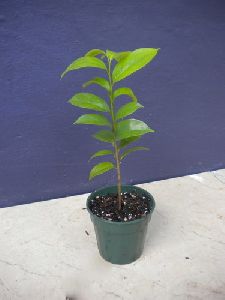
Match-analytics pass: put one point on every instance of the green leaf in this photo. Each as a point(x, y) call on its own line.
point(131, 127)
point(128, 151)
point(110, 54)
point(101, 153)
point(95, 52)
point(136, 60)
point(127, 141)
point(117, 55)
point(124, 91)
point(90, 101)
point(104, 136)
point(100, 169)
point(93, 119)
point(127, 109)
point(99, 81)
point(121, 55)
point(85, 62)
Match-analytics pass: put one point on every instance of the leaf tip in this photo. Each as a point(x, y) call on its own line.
point(90, 177)
point(139, 105)
point(63, 74)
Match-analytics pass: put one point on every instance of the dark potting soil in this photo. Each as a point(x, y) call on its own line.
point(133, 207)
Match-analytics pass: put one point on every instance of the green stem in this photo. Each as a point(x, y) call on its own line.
point(116, 149)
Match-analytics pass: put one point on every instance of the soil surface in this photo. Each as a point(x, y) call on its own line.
point(133, 207)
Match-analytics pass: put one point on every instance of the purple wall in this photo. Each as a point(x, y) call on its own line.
point(42, 155)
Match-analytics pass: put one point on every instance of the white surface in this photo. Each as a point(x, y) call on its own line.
point(46, 254)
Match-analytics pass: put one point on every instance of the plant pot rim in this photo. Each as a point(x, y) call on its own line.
point(150, 197)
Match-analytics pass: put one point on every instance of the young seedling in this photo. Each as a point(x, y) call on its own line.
point(119, 132)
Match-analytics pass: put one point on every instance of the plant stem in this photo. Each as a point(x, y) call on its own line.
point(118, 175)
point(116, 149)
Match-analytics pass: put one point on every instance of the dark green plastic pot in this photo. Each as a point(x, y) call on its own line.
point(121, 242)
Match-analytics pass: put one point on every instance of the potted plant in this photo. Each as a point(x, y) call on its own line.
point(120, 213)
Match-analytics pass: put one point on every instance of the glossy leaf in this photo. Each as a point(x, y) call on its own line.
point(104, 136)
point(127, 109)
point(130, 150)
point(136, 60)
point(110, 54)
point(117, 55)
point(125, 142)
point(100, 169)
point(93, 119)
point(101, 153)
point(124, 91)
point(90, 101)
point(95, 52)
point(85, 62)
point(131, 127)
point(121, 55)
point(99, 81)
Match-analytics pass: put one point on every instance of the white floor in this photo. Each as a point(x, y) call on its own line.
point(48, 249)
